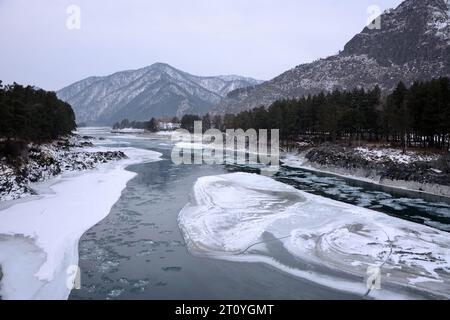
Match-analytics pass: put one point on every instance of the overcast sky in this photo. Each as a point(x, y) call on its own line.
point(257, 38)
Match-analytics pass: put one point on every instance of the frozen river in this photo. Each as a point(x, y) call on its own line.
point(139, 252)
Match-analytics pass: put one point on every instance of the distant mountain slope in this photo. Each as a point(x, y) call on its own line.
point(412, 44)
point(155, 91)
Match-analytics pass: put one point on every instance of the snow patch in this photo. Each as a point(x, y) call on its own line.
point(128, 130)
point(230, 216)
point(47, 161)
point(57, 221)
point(394, 155)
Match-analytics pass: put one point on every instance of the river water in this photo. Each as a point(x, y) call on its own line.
point(138, 251)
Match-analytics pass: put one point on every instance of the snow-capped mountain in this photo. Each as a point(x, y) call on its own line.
point(155, 91)
point(412, 44)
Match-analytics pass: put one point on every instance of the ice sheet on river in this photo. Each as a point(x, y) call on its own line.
point(39, 238)
point(246, 217)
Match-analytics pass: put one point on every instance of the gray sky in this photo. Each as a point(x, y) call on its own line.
point(257, 38)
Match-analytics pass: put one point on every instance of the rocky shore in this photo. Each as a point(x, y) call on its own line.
point(42, 162)
point(427, 172)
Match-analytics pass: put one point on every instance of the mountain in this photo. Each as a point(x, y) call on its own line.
point(155, 91)
point(412, 44)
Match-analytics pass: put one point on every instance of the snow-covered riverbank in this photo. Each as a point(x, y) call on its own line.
point(251, 218)
point(427, 173)
point(49, 226)
point(43, 162)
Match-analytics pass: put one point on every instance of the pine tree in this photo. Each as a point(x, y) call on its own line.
point(217, 122)
point(206, 122)
point(187, 122)
point(152, 125)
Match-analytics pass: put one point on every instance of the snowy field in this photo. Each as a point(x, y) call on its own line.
point(47, 228)
point(251, 218)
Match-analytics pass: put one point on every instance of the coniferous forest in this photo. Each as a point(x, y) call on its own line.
point(28, 114)
point(418, 116)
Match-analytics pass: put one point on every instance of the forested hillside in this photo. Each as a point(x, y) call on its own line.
point(418, 116)
point(28, 114)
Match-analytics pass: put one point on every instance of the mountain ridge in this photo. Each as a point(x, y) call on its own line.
point(412, 44)
point(158, 90)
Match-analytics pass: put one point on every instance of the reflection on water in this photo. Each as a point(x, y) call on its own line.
point(138, 252)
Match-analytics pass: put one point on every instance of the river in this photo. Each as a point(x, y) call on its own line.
point(138, 251)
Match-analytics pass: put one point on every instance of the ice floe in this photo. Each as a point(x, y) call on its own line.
point(251, 218)
point(54, 224)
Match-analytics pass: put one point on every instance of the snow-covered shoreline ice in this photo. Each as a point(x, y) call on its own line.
point(300, 162)
point(128, 130)
point(241, 216)
point(42, 162)
point(54, 223)
point(295, 160)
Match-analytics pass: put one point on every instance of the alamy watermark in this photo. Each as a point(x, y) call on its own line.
point(373, 278)
point(230, 147)
point(73, 277)
point(374, 20)
point(73, 21)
